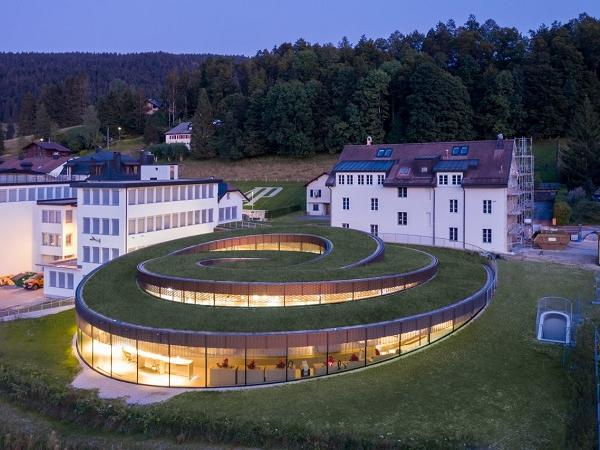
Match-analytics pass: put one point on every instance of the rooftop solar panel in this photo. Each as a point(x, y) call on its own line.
point(363, 166)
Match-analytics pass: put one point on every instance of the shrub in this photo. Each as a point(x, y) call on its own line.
point(562, 212)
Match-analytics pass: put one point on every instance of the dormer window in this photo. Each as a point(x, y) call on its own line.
point(456, 180)
point(383, 153)
point(423, 169)
point(442, 180)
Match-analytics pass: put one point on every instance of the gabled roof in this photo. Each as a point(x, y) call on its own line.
point(485, 163)
point(35, 165)
point(50, 146)
point(224, 188)
point(183, 127)
point(316, 178)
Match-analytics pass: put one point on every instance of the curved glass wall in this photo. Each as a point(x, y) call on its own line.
point(164, 357)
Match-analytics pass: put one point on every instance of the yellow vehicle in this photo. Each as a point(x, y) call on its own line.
point(6, 280)
point(35, 282)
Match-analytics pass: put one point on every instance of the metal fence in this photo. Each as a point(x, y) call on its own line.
point(17, 312)
point(412, 239)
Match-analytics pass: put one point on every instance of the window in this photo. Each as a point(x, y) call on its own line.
point(86, 196)
point(61, 280)
point(105, 197)
point(210, 214)
point(141, 225)
point(95, 225)
point(374, 204)
point(221, 214)
point(115, 227)
point(31, 194)
point(69, 240)
point(86, 225)
point(70, 281)
point(22, 195)
point(423, 169)
point(190, 192)
point(167, 221)
point(380, 179)
point(402, 218)
point(96, 255)
point(374, 230)
point(487, 206)
point(86, 254)
point(95, 196)
point(487, 235)
point(203, 191)
point(402, 192)
point(182, 191)
point(204, 216)
point(167, 194)
point(69, 216)
point(159, 223)
point(345, 203)
point(159, 194)
point(150, 224)
point(369, 179)
point(341, 179)
point(190, 217)
point(345, 225)
point(350, 179)
point(131, 197)
point(150, 195)
point(131, 227)
point(175, 220)
point(51, 239)
point(105, 255)
point(453, 205)
point(141, 196)
point(456, 180)
point(197, 217)
point(361, 179)
point(115, 197)
point(106, 227)
point(52, 278)
point(453, 234)
point(3, 196)
point(442, 180)
point(12, 195)
point(312, 193)
point(460, 150)
point(315, 207)
point(174, 193)
point(115, 253)
point(383, 153)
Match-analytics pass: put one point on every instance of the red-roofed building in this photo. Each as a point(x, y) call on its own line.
point(475, 194)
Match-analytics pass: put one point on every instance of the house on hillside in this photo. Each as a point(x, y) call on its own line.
point(48, 149)
point(318, 196)
point(231, 201)
point(151, 106)
point(180, 134)
point(32, 167)
point(475, 194)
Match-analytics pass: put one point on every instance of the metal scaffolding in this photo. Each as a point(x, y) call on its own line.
point(520, 191)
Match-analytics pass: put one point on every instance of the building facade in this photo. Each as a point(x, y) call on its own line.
point(318, 196)
point(456, 194)
point(180, 134)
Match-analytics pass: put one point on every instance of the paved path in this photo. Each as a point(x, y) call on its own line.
point(582, 254)
point(11, 296)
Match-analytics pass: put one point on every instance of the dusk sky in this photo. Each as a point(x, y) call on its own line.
point(244, 27)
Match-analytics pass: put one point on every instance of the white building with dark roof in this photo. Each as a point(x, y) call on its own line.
point(180, 134)
point(476, 194)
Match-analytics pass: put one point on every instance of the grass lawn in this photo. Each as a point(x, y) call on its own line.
point(271, 168)
point(460, 274)
point(491, 384)
point(130, 145)
point(545, 163)
point(293, 194)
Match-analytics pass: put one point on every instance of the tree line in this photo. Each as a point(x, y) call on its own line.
point(454, 82)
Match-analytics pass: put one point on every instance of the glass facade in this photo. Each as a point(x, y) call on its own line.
point(203, 360)
point(259, 294)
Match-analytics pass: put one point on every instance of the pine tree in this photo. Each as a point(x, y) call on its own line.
point(26, 120)
point(1, 140)
point(580, 159)
point(10, 131)
point(202, 128)
point(371, 100)
point(43, 123)
point(91, 126)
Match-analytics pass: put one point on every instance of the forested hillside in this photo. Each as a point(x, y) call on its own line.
point(453, 82)
point(21, 73)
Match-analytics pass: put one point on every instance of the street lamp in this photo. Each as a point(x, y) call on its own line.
point(119, 128)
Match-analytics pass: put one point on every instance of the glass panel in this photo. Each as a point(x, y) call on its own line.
point(124, 358)
point(101, 349)
point(309, 360)
point(187, 366)
point(153, 363)
point(382, 348)
point(223, 365)
point(346, 356)
point(268, 365)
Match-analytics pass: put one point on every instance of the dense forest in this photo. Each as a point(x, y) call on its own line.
point(453, 82)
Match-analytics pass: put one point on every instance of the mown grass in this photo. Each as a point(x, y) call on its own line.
point(546, 160)
point(492, 384)
point(460, 274)
point(293, 193)
point(284, 266)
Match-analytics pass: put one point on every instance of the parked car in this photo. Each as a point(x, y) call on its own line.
point(6, 280)
point(20, 278)
point(35, 282)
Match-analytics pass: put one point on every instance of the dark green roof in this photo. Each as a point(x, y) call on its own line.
point(363, 166)
point(455, 165)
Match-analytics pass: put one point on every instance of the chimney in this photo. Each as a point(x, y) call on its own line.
point(500, 141)
point(369, 140)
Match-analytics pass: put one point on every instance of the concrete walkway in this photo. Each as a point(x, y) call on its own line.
point(582, 254)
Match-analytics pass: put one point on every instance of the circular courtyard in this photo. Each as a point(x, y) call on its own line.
point(271, 305)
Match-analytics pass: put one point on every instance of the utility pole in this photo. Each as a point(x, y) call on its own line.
point(108, 137)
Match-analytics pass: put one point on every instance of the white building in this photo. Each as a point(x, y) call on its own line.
point(318, 196)
point(458, 194)
point(180, 134)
